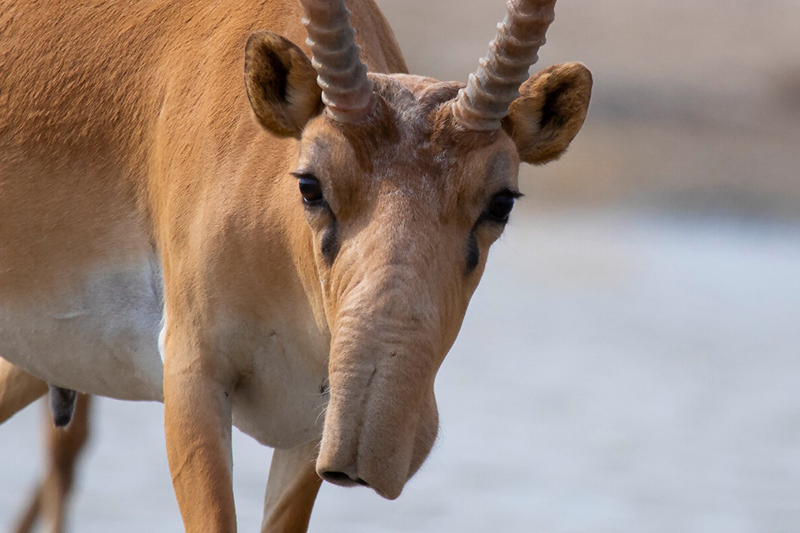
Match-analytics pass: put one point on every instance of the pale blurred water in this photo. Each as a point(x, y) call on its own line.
point(614, 374)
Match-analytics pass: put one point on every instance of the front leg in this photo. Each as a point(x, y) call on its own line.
point(197, 414)
point(17, 389)
point(291, 490)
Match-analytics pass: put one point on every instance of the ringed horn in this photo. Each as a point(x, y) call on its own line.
point(346, 89)
point(491, 89)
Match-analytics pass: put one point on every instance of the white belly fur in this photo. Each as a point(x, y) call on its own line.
point(105, 337)
point(100, 337)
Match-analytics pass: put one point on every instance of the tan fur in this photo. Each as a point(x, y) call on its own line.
point(18, 389)
point(128, 133)
point(550, 112)
point(292, 487)
point(281, 84)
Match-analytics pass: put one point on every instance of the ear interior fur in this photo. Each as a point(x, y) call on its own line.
point(549, 112)
point(281, 84)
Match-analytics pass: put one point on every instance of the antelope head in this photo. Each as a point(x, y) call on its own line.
point(406, 182)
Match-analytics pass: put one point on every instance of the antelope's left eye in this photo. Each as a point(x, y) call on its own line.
point(310, 190)
point(500, 206)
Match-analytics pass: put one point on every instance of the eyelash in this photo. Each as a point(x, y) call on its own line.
point(310, 189)
point(500, 217)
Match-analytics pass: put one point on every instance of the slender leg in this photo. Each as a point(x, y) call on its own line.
point(64, 447)
point(18, 389)
point(28, 518)
point(198, 433)
point(291, 490)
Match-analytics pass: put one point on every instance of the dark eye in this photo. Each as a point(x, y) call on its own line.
point(311, 190)
point(500, 206)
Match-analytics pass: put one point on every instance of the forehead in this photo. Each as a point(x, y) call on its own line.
point(410, 139)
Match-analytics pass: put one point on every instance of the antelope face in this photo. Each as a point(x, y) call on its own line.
point(405, 184)
point(403, 212)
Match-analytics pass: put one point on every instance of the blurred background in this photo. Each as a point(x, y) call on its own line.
point(631, 361)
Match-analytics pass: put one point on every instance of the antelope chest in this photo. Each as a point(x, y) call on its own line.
point(102, 336)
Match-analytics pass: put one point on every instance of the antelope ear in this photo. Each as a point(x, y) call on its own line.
point(549, 112)
point(281, 84)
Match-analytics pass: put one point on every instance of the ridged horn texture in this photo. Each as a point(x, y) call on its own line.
point(491, 89)
point(346, 89)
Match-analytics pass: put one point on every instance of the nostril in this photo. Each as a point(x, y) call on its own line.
point(338, 478)
point(342, 479)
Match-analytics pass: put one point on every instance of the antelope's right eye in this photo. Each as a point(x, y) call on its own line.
point(310, 190)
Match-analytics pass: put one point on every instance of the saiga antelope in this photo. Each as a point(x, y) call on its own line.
point(249, 251)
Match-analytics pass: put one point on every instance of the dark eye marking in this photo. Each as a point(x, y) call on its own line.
point(497, 212)
point(310, 189)
point(330, 243)
point(313, 198)
point(473, 253)
point(500, 206)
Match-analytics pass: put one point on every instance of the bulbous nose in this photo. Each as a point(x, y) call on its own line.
point(346, 473)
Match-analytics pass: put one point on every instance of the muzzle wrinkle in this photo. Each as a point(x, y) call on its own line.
point(377, 428)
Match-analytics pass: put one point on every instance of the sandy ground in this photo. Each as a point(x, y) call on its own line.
point(614, 374)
